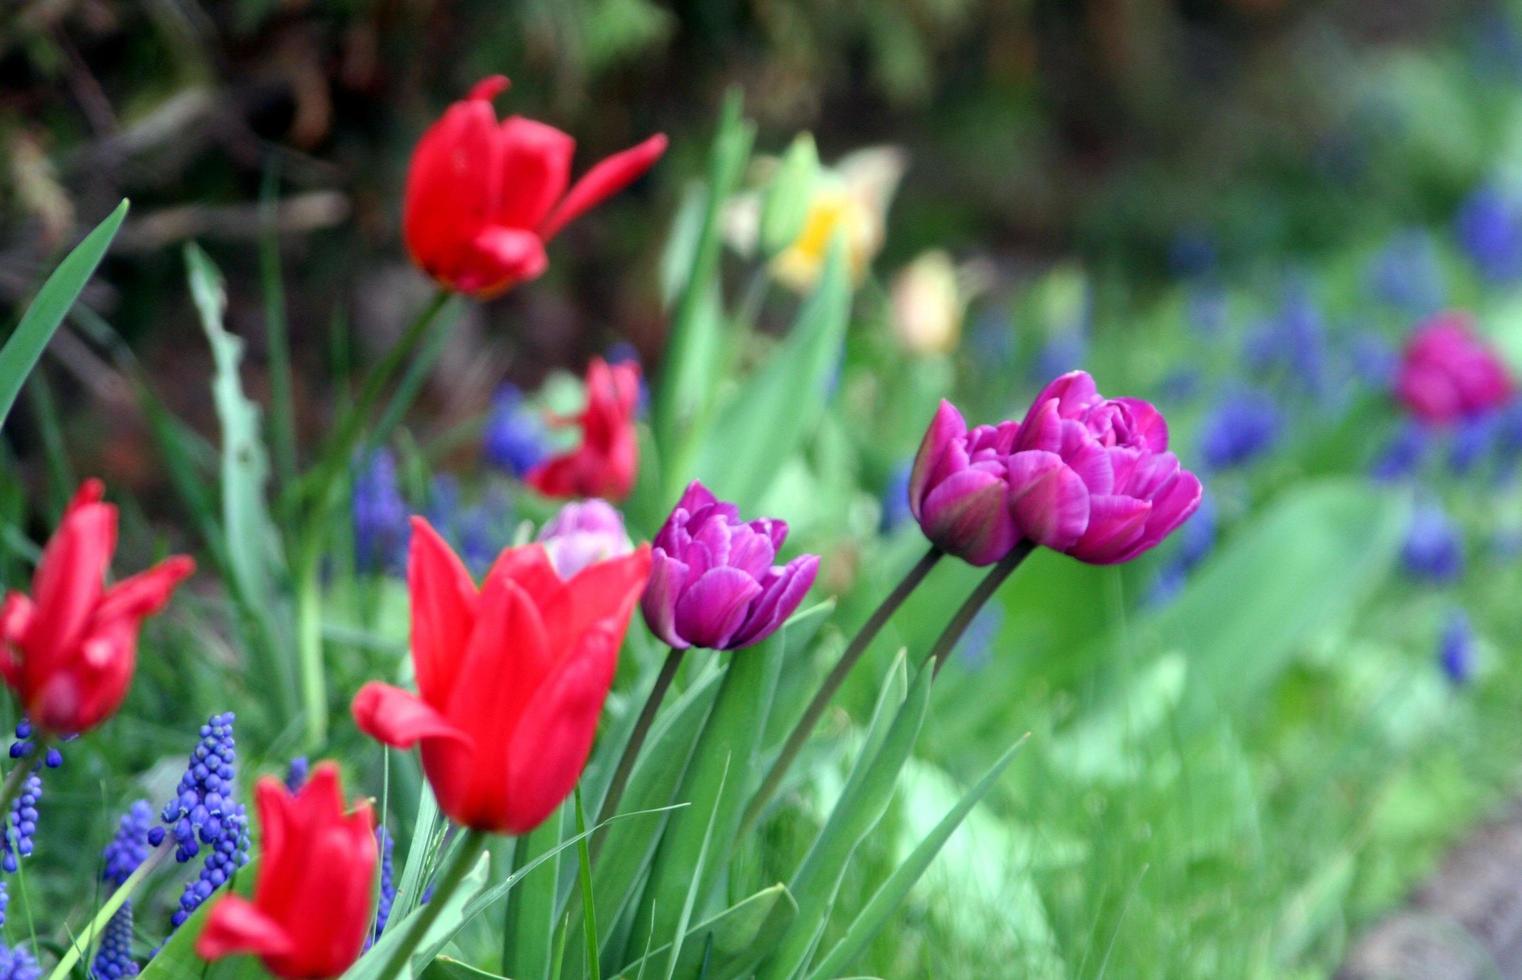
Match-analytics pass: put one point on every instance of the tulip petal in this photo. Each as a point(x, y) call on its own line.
point(1115, 524)
point(780, 597)
point(1168, 512)
point(147, 592)
point(603, 181)
point(1042, 429)
point(714, 606)
point(235, 925)
point(399, 719)
point(1050, 503)
point(1074, 392)
point(498, 258)
point(69, 580)
point(536, 166)
point(967, 515)
point(603, 595)
point(551, 742)
point(946, 427)
point(531, 568)
point(1148, 424)
point(443, 610)
point(448, 198)
point(668, 576)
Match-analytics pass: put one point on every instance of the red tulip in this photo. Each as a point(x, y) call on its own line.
point(68, 650)
point(483, 197)
point(605, 463)
point(312, 899)
point(511, 678)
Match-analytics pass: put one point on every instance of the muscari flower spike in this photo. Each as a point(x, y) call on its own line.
point(129, 847)
point(25, 745)
point(387, 886)
point(296, 773)
point(1434, 550)
point(1456, 647)
point(1241, 427)
point(379, 514)
point(114, 958)
point(15, 964)
point(21, 825)
point(204, 812)
point(516, 439)
point(1403, 455)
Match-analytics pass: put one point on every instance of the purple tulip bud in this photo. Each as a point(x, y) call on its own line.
point(958, 490)
point(1092, 476)
point(712, 581)
point(584, 533)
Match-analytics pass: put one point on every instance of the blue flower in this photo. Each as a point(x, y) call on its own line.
point(1196, 540)
point(515, 440)
point(296, 773)
point(1292, 342)
point(15, 964)
point(1489, 229)
point(895, 500)
point(21, 824)
point(227, 854)
point(1433, 551)
point(25, 745)
point(380, 515)
point(129, 847)
point(1241, 427)
point(387, 885)
point(1406, 274)
point(1373, 359)
point(1473, 441)
point(1456, 647)
point(1403, 455)
point(114, 959)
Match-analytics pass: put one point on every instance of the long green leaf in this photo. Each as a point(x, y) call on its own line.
point(528, 924)
point(891, 894)
point(734, 932)
point(419, 852)
point(772, 411)
point(458, 909)
point(47, 310)
point(862, 803)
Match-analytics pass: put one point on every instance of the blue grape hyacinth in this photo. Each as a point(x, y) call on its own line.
point(296, 773)
point(114, 958)
point(1242, 426)
point(205, 813)
point(129, 847)
point(25, 744)
point(380, 515)
point(1434, 550)
point(515, 440)
point(1456, 647)
point(1403, 455)
point(15, 964)
point(1489, 229)
point(21, 824)
point(387, 885)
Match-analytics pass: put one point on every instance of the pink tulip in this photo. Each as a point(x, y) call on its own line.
point(1447, 373)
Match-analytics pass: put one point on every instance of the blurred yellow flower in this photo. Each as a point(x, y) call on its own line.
point(850, 199)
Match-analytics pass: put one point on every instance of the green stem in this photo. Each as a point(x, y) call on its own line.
point(837, 676)
point(636, 741)
point(974, 602)
point(460, 863)
point(13, 782)
point(118, 898)
point(325, 486)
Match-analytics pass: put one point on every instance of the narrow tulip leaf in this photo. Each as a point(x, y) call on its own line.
point(717, 785)
point(449, 968)
point(529, 916)
point(773, 411)
point(457, 910)
point(584, 879)
point(425, 828)
point(252, 547)
point(890, 896)
point(626, 848)
point(865, 798)
point(51, 304)
point(276, 330)
point(699, 872)
point(687, 370)
point(732, 933)
point(785, 205)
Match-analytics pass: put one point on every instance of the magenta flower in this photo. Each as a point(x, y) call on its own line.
point(712, 581)
point(959, 490)
point(1082, 474)
point(1447, 373)
point(1092, 476)
point(584, 533)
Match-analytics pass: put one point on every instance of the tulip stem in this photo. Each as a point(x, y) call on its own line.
point(636, 741)
point(464, 858)
point(837, 677)
point(975, 602)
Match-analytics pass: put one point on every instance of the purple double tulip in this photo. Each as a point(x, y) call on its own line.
point(713, 583)
point(1082, 474)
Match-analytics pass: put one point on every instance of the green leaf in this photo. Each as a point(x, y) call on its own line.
point(626, 848)
point(716, 784)
point(449, 968)
point(529, 916)
point(588, 903)
point(47, 310)
point(1315, 555)
point(459, 907)
point(419, 851)
point(865, 798)
point(891, 894)
point(785, 206)
point(699, 872)
point(773, 410)
point(687, 372)
point(734, 933)
point(252, 547)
